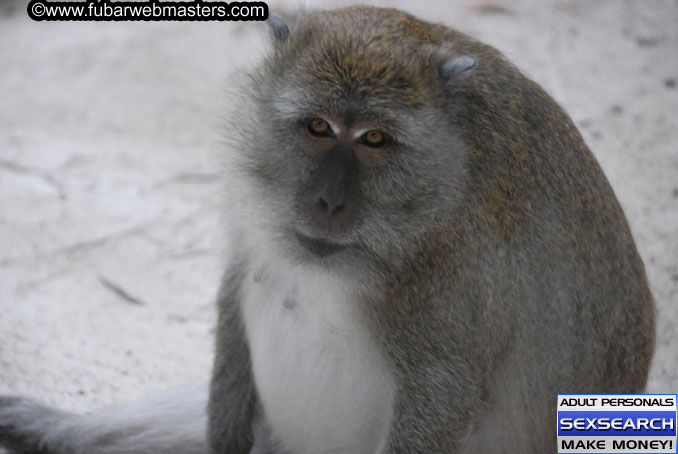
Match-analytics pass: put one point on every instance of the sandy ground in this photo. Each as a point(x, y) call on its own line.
point(109, 176)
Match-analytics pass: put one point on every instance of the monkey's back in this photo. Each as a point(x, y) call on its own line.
point(537, 265)
point(553, 206)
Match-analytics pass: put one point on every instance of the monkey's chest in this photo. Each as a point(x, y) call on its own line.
point(322, 384)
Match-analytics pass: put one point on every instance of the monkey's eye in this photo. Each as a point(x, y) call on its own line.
point(374, 138)
point(320, 128)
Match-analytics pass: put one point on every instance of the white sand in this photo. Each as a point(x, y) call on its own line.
point(109, 174)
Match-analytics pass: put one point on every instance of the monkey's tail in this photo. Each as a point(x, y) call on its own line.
point(174, 422)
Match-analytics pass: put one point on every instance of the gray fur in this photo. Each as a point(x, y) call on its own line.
point(173, 422)
point(232, 395)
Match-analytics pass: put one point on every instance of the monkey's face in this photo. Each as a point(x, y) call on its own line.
point(349, 146)
point(329, 202)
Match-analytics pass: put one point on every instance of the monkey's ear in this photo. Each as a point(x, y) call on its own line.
point(278, 28)
point(453, 68)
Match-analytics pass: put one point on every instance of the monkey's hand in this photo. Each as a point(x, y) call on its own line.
point(25, 424)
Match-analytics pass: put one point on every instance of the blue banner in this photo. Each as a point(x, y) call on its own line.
point(610, 423)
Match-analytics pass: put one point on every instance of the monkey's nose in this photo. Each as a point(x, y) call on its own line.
point(331, 206)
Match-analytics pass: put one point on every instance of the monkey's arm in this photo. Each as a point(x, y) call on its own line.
point(441, 373)
point(431, 417)
point(232, 400)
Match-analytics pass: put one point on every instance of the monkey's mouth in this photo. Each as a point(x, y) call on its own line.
point(319, 247)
